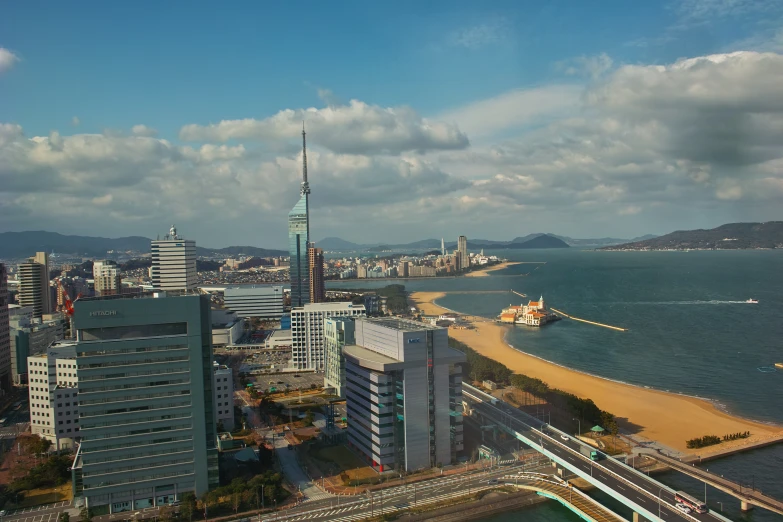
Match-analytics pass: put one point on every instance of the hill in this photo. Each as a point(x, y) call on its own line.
point(543, 241)
point(732, 236)
point(16, 245)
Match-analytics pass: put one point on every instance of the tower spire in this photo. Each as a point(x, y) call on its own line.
point(305, 184)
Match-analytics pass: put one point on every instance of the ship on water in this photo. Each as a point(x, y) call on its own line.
point(534, 313)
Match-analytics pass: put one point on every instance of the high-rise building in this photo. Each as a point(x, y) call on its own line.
point(173, 263)
point(107, 277)
point(299, 239)
point(315, 259)
point(264, 301)
point(442, 247)
point(146, 411)
point(34, 287)
point(462, 249)
point(6, 382)
point(337, 333)
point(223, 395)
point(30, 338)
point(53, 393)
point(307, 331)
point(403, 391)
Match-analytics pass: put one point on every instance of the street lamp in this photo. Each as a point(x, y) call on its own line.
point(660, 492)
point(580, 424)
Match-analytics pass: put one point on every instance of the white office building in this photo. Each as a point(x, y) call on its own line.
point(307, 331)
point(262, 301)
point(403, 391)
point(173, 263)
point(53, 388)
point(223, 395)
point(338, 332)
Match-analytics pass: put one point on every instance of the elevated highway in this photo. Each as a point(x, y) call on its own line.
point(644, 495)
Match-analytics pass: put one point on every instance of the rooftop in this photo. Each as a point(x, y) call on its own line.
point(402, 325)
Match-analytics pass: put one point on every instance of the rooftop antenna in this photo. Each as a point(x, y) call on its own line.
point(305, 184)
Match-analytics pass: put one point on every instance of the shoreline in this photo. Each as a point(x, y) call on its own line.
point(484, 272)
point(669, 418)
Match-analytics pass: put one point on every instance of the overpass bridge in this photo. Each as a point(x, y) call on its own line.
point(748, 496)
point(645, 496)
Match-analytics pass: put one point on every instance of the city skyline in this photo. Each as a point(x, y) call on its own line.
point(583, 124)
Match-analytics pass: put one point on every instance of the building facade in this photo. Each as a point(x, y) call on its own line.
point(263, 301)
point(30, 338)
point(53, 394)
point(6, 379)
point(173, 263)
point(299, 239)
point(223, 396)
point(462, 252)
point(34, 288)
point(107, 277)
point(315, 259)
point(307, 331)
point(403, 391)
point(337, 333)
point(146, 403)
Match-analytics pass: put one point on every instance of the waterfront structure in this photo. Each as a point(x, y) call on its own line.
point(53, 396)
point(462, 251)
point(34, 288)
point(146, 405)
point(307, 331)
point(315, 259)
point(107, 277)
point(403, 391)
point(6, 378)
point(262, 301)
point(337, 333)
point(223, 396)
point(299, 239)
point(173, 263)
point(534, 313)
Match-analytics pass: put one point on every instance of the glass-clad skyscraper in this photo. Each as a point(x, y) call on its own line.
point(298, 239)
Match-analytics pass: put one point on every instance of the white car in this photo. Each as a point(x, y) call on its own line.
point(564, 437)
point(683, 508)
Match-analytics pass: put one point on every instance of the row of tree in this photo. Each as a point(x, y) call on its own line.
point(480, 368)
point(260, 491)
point(736, 436)
point(701, 442)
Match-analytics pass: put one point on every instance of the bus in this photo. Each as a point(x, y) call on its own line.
point(696, 505)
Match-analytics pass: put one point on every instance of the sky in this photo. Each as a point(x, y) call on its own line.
point(424, 119)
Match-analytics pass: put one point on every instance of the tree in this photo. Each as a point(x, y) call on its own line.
point(187, 506)
point(166, 514)
point(85, 514)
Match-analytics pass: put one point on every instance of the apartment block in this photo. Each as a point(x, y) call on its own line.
point(307, 331)
point(53, 395)
point(223, 395)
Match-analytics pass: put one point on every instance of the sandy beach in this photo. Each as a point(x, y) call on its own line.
point(485, 272)
point(668, 418)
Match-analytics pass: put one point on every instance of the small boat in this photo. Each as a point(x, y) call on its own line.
point(752, 301)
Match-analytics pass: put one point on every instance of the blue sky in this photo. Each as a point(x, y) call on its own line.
point(451, 104)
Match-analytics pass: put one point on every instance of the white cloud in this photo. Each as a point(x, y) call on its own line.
point(591, 66)
point(480, 35)
point(7, 59)
point(75, 121)
point(143, 130)
point(356, 128)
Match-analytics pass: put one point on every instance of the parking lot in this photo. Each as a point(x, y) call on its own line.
point(304, 381)
point(45, 513)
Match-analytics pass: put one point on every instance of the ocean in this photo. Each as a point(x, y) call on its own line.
point(689, 332)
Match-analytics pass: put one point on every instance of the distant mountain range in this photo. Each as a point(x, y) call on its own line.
point(341, 245)
point(14, 245)
point(732, 236)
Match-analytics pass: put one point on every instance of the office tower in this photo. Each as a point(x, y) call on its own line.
point(442, 247)
point(403, 391)
point(146, 410)
point(307, 331)
point(6, 381)
point(223, 395)
point(264, 301)
point(34, 284)
point(315, 259)
point(403, 269)
point(29, 339)
point(337, 333)
point(53, 392)
point(107, 277)
point(299, 239)
point(462, 249)
point(174, 263)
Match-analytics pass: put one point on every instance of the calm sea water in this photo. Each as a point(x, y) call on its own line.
point(689, 332)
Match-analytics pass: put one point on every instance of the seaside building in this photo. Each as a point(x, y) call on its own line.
point(146, 403)
point(337, 333)
point(34, 288)
point(174, 263)
point(403, 390)
point(53, 390)
point(534, 313)
point(315, 258)
point(107, 277)
point(299, 239)
point(307, 331)
point(223, 396)
point(462, 252)
point(262, 301)
point(6, 379)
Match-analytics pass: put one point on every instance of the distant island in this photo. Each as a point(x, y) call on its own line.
point(732, 236)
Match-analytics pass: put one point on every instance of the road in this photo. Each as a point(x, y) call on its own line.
point(623, 480)
point(46, 513)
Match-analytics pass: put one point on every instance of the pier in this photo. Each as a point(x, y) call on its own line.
point(589, 322)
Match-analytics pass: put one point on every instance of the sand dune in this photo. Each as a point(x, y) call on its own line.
point(668, 418)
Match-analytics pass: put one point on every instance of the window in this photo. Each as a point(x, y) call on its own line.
point(130, 332)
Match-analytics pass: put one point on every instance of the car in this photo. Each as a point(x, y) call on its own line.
point(492, 481)
point(683, 508)
point(564, 437)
